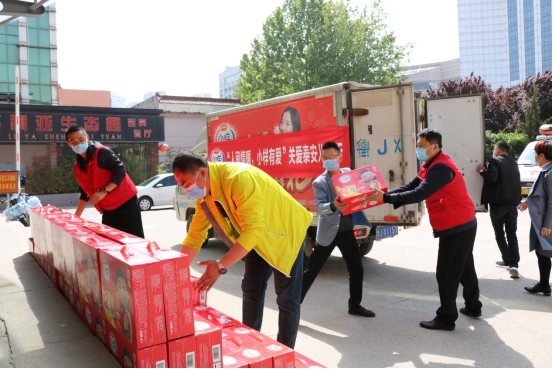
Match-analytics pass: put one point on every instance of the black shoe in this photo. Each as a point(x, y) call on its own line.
point(435, 324)
point(538, 288)
point(474, 314)
point(361, 311)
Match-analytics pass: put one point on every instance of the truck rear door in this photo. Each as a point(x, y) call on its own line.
point(460, 120)
point(386, 137)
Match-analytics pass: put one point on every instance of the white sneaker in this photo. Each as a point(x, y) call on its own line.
point(514, 272)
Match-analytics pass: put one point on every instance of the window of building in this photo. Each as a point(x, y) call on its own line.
point(40, 78)
point(545, 10)
point(529, 41)
point(9, 56)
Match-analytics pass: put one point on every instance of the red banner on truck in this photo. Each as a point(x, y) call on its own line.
point(304, 114)
point(293, 155)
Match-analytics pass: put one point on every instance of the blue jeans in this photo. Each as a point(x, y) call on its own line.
point(288, 290)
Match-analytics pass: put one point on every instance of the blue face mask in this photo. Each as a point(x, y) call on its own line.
point(331, 164)
point(421, 153)
point(81, 148)
point(194, 191)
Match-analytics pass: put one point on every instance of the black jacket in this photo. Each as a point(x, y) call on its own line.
point(501, 182)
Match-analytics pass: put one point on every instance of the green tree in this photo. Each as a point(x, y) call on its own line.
point(312, 43)
point(532, 121)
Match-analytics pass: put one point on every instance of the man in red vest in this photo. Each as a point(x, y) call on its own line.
point(104, 183)
point(453, 220)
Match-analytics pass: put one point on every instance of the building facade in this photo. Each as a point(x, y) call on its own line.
point(504, 41)
point(31, 44)
point(424, 76)
point(184, 119)
point(228, 81)
point(133, 134)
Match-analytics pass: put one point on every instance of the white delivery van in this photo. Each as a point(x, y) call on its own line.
point(376, 125)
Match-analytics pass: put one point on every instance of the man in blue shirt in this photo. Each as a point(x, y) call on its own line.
point(335, 229)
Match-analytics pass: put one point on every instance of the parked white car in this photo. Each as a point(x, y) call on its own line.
point(528, 167)
point(156, 191)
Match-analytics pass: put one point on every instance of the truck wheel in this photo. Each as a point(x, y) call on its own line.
point(366, 247)
point(189, 220)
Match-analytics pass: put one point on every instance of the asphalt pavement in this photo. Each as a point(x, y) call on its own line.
point(39, 328)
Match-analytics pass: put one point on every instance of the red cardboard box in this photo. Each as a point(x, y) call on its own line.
point(208, 343)
point(246, 351)
point(177, 294)
point(87, 249)
point(216, 317)
point(182, 353)
point(95, 321)
point(353, 188)
point(232, 361)
point(199, 297)
point(283, 356)
point(48, 268)
point(66, 242)
point(119, 236)
point(130, 357)
point(132, 295)
point(305, 362)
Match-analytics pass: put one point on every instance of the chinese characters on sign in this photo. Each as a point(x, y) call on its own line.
point(51, 127)
point(8, 182)
point(295, 155)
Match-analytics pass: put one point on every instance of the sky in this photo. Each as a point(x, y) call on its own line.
point(181, 46)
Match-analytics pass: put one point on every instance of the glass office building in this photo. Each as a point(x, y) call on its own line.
point(31, 44)
point(504, 41)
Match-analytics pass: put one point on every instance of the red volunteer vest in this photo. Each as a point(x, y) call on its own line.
point(451, 206)
point(96, 179)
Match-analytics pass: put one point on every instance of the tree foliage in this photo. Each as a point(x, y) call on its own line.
point(505, 109)
point(312, 43)
point(532, 120)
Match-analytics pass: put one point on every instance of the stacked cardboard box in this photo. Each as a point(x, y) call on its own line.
point(139, 299)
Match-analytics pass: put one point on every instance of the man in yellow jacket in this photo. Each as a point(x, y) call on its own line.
point(259, 221)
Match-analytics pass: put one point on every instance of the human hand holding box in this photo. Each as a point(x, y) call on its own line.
point(353, 188)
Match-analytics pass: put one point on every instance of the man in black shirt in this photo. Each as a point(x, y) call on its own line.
point(502, 191)
point(104, 183)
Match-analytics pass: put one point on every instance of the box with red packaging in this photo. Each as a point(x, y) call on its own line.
point(118, 236)
point(355, 186)
point(181, 353)
point(283, 356)
point(245, 350)
point(48, 268)
point(86, 254)
point(95, 321)
point(54, 228)
point(208, 343)
point(66, 242)
point(215, 316)
point(232, 361)
point(132, 295)
point(199, 297)
point(305, 362)
point(177, 293)
point(131, 357)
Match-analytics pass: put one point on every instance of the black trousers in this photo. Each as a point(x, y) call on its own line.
point(544, 263)
point(347, 243)
point(506, 215)
point(456, 265)
point(126, 218)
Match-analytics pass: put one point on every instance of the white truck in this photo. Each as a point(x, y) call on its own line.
point(379, 126)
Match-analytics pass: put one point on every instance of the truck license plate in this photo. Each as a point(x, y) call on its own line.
point(525, 191)
point(386, 231)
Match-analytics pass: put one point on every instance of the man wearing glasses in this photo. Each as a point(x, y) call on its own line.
point(335, 229)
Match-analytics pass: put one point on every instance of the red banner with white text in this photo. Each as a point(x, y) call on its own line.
point(293, 155)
